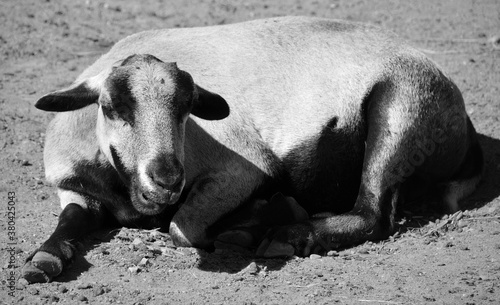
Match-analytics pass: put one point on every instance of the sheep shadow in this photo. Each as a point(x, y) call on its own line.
point(233, 262)
point(488, 189)
point(80, 265)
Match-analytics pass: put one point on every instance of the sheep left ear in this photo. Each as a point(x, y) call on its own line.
point(209, 106)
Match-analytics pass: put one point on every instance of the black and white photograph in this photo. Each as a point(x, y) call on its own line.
point(250, 152)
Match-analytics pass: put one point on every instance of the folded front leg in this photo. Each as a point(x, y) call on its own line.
point(75, 221)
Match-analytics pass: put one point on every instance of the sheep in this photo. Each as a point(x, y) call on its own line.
point(180, 128)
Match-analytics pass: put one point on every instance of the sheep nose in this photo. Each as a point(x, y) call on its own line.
point(167, 175)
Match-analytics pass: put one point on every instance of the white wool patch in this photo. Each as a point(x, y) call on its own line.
point(66, 197)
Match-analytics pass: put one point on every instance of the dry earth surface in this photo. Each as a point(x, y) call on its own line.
point(433, 259)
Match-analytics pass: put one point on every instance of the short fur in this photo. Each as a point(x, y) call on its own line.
point(337, 114)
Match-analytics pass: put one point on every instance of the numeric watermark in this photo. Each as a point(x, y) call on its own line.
point(11, 243)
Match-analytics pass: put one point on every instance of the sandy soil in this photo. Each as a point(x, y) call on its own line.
point(433, 259)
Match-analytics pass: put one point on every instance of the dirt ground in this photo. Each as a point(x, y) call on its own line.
point(433, 259)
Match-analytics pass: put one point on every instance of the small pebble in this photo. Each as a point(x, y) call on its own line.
point(33, 290)
point(142, 247)
point(155, 234)
point(82, 298)
point(134, 269)
point(332, 253)
point(84, 286)
point(137, 241)
point(159, 243)
point(252, 268)
point(314, 256)
point(45, 295)
point(53, 299)
point(21, 284)
point(62, 289)
point(98, 291)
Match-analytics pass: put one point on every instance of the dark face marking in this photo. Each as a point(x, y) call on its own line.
point(119, 166)
point(145, 105)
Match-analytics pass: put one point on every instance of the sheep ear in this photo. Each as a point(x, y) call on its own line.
point(76, 96)
point(209, 106)
point(69, 99)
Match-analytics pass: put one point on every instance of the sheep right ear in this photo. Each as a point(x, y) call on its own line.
point(76, 96)
point(69, 99)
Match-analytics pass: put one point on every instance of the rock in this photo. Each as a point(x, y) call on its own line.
point(495, 42)
point(159, 243)
point(21, 284)
point(45, 295)
point(62, 289)
point(252, 268)
point(155, 234)
point(33, 290)
point(84, 286)
point(315, 256)
point(98, 291)
point(82, 298)
point(137, 241)
point(332, 253)
point(53, 299)
point(143, 262)
point(186, 251)
point(134, 269)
